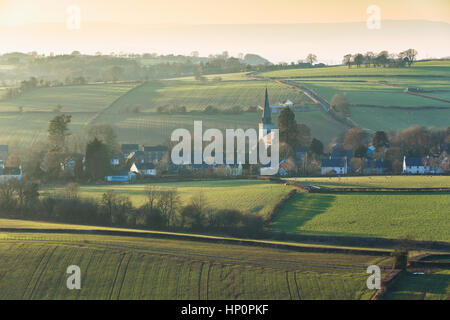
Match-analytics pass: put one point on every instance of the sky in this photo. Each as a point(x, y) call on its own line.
point(107, 25)
point(16, 12)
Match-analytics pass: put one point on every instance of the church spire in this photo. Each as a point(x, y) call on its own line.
point(266, 116)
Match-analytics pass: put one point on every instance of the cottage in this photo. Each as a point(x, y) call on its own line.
point(374, 167)
point(300, 153)
point(3, 153)
point(413, 166)
point(8, 173)
point(128, 148)
point(136, 157)
point(287, 167)
point(116, 160)
point(155, 153)
point(341, 153)
point(334, 166)
point(234, 169)
point(144, 169)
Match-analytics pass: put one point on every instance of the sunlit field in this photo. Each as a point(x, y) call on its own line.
point(246, 195)
point(414, 216)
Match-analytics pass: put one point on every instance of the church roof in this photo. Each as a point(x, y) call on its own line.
point(266, 116)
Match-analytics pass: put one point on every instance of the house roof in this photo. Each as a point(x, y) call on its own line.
point(374, 164)
point(155, 148)
point(333, 163)
point(9, 171)
point(413, 162)
point(128, 147)
point(145, 166)
point(118, 174)
point(200, 166)
point(301, 149)
point(339, 153)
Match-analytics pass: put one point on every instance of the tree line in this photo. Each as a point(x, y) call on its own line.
point(162, 210)
point(382, 59)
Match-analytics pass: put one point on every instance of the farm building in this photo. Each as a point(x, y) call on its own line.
point(145, 169)
point(278, 107)
point(334, 166)
point(413, 166)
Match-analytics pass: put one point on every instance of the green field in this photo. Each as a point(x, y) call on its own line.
point(81, 98)
point(424, 69)
point(22, 130)
point(198, 95)
point(153, 128)
point(378, 181)
point(370, 93)
point(377, 94)
point(417, 216)
point(249, 196)
point(429, 286)
point(34, 267)
point(374, 119)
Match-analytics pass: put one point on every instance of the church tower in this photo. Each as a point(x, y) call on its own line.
point(266, 126)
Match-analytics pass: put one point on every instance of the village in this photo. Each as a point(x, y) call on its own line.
point(137, 162)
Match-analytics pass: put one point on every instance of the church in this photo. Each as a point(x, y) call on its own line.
point(266, 126)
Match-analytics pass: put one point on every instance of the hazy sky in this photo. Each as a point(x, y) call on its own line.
point(15, 12)
point(212, 26)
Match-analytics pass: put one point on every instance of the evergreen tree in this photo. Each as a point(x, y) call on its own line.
point(97, 159)
point(288, 128)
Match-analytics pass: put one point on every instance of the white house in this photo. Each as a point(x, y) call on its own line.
point(413, 166)
point(334, 166)
point(145, 169)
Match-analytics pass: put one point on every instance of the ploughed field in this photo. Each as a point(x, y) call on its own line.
point(33, 266)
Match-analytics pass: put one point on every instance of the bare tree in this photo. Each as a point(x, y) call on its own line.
point(311, 58)
point(347, 61)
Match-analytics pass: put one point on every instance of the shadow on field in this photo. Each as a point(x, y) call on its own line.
point(413, 287)
point(299, 210)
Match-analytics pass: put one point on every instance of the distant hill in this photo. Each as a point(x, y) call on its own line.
point(255, 60)
point(276, 42)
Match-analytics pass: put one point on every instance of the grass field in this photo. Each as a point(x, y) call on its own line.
point(425, 68)
point(429, 286)
point(378, 181)
point(198, 95)
point(374, 119)
point(128, 268)
point(382, 87)
point(153, 128)
point(22, 130)
point(246, 195)
point(82, 98)
point(417, 216)
point(370, 93)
